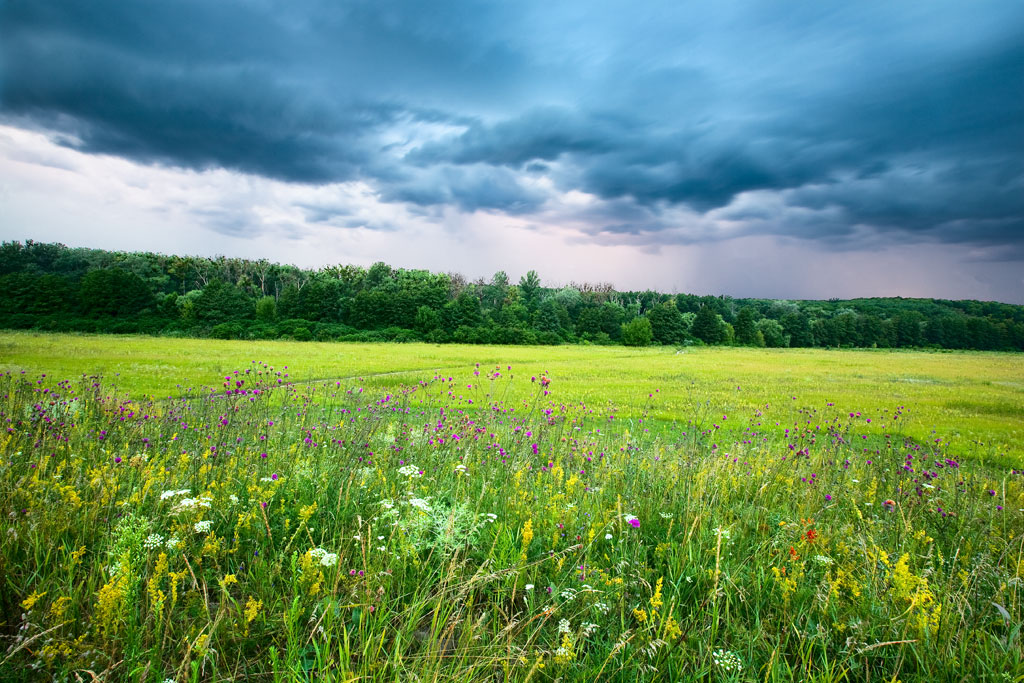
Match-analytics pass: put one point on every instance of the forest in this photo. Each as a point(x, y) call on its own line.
point(54, 287)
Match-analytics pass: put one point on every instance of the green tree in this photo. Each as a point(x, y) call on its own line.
point(667, 324)
point(707, 326)
point(637, 332)
point(529, 289)
point(746, 328)
point(114, 292)
point(771, 333)
point(266, 309)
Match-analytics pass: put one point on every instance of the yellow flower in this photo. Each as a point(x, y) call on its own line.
point(59, 607)
point(656, 600)
point(30, 602)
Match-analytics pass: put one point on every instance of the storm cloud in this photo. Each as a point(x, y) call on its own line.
point(845, 125)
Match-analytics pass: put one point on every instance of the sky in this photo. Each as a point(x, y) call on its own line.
point(769, 149)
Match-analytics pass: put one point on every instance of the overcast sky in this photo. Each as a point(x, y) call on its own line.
point(776, 149)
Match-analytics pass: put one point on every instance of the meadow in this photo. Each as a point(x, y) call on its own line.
point(195, 510)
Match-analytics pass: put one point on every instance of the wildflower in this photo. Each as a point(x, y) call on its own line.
point(329, 560)
point(410, 471)
point(563, 626)
point(170, 494)
point(420, 504)
point(727, 660)
point(29, 602)
point(633, 521)
point(153, 541)
point(528, 587)
point(172, 543)
point(203, 527)
point(607, 537)
point(252, 609)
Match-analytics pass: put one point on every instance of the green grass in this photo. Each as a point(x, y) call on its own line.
point(612, 526)
point(975, 399)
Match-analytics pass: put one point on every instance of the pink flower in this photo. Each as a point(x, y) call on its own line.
point(635, 522)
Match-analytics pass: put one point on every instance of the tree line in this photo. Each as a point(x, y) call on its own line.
point(59, 288)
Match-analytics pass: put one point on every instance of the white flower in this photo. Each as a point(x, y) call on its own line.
point(587, 628)
point(203, 527)
point(387, 504)
point(528, 587)
point(190, 503)
point(172, 542)
point(601, 607)
point(170, 494)
point(410, 471)
point(233, 498)
point(563, 626)
point(153, 541)
point(724, 533)
point(420, 504)
point(329, 560)
point(568, 594)
point(727, 660)
point(490, 518)
point(665, 515)
point(460, 469)
point(317, 553)
point(823, 559)
point(608, 537)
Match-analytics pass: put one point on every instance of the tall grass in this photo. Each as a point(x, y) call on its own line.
point(476, 527)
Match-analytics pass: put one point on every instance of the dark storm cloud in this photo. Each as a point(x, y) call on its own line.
point(819, 121)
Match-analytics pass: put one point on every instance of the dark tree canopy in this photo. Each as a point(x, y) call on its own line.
point(54, 287)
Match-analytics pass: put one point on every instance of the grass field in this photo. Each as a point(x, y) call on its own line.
point(397, 513)
point(974, 399)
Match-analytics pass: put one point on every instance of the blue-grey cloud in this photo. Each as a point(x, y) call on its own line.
point(822, 121)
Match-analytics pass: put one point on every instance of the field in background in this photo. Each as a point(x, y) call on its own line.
point(974, 399)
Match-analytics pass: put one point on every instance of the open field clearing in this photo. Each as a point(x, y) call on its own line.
point(974, 399)
point(569, 513)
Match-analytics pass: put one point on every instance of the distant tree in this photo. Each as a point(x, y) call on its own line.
point(637, 332)
point(707, 326)
point(427, 319)
point(529, 289)
point(746, 328)
point(220, 302)
point(772, 334)
point(266, 309)
point(667, 324)
point(114, 292)
point(798, 327)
